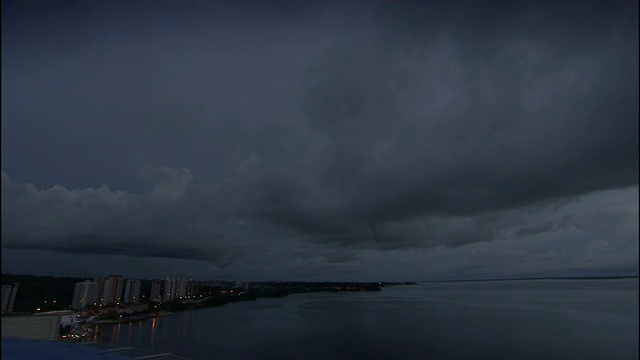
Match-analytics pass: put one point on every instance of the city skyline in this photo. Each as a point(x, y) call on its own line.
point(324, 141)
point(113, 290)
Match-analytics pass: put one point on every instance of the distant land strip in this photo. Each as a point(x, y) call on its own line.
point(537, 278)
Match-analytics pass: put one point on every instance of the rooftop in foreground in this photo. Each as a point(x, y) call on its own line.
point(28, 349)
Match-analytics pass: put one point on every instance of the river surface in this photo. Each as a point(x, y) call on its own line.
point(524, 319)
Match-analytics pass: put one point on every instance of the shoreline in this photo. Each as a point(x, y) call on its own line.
point(129, 319)
point(221, 300)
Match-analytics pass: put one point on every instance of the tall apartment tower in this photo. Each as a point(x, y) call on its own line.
point(169, 289)
point(100, 280)
point(156, 290)
point(181, 288)
point(112, 292)
point(132, 292)
point(8, 297)
point(192, 289)
point(84, 294)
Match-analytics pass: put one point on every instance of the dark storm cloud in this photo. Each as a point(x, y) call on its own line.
point(507, 124)
point(371, 125)
point(107, 246)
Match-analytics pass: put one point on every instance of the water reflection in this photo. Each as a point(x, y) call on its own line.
point(520, 320)
point(96, 332)
point(116, 334)
point(154, 325)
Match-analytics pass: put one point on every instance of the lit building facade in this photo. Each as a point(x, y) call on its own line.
point(192, 289)
point(132, 292)
point(175, 289)
point(112, 291)
point(181, 288)
point(156, 290)
point(85, 293)
point(169, 289)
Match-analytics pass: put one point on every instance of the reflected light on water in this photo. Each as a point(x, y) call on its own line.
point(117, 333)
point(96, 331)
point(154, 325)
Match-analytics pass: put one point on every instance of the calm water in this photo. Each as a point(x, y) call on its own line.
point(533, 319)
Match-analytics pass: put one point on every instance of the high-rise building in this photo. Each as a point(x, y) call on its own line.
point(175, 289)
point(8, 297)
point(169, 289)
point(112, 292)
point(132, 292)
point(192, 289)
point(181, 288)
point(84, 294)
point(100, 280)
point(156, 290)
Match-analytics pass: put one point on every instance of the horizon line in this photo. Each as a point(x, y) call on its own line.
point(610, 277)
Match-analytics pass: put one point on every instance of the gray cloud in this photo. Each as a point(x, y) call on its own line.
point(319, 131)
point(596, 231)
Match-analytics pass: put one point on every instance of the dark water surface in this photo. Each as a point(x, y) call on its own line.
point(524, 319)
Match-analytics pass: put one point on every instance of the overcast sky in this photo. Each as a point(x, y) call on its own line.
point(327, 140)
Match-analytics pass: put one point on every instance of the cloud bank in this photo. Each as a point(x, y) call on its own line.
point(323, 135)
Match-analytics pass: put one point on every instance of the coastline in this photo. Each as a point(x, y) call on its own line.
point(169, 307)
point(130, 319)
